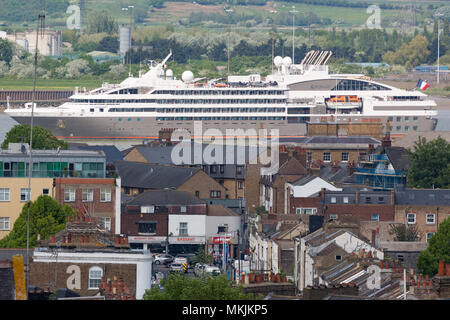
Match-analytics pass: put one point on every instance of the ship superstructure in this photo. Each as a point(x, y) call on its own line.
point(139, 107)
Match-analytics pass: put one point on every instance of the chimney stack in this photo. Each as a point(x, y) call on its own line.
point(441, 271)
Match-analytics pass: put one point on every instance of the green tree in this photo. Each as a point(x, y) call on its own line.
point(202, 257)
point(47, 217)
point(430, 164)
point(180, 287)
point(101, 21)
point(438, 250)
point(6, 51)
point(42, 138)
point(404, 233)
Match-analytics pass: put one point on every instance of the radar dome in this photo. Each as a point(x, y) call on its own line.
point(287, 61)
point(278, 61)
point(187, 76)
point(169, 73)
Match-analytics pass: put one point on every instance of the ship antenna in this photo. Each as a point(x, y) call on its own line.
point(40, 24)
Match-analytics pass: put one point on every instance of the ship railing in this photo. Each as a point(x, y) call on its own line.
point(18, 173)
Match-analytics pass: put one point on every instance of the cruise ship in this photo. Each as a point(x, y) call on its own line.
point(293, 95)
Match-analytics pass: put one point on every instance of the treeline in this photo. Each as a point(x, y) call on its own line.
point(281, 19)
point(347, 4)
point(355, 46)
point(27, 11)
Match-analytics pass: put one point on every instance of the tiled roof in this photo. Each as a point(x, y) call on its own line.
point(398, 157)
point(328, 249)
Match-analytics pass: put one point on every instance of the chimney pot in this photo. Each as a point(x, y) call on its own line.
point(53, 239)
point(447, 269)
point(68, 218)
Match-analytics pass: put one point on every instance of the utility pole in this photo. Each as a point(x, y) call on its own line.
point(293, 11)
point(229, 11)
point(273, 36)
point(239, 255)
point(438, 16)
point(40, 24)
point(129, 8)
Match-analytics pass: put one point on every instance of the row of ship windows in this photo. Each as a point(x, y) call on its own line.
point(219, 118)
point(399, 128)
point(184, 101)
point(219, 92)
point(399, 119)
point(189, 110)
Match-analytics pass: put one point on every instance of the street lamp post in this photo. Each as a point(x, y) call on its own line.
point(438, 16)
point(273, 36)
point(130, 8)
point(293, 11)
point(229, 11)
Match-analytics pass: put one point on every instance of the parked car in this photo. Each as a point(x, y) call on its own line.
point(177, 267)
point(212, 271)
point(163, 259)
point(199, 269)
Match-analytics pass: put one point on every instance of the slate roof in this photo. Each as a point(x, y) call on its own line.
point(165, 197)
point(220, 211)
point(151, 176)
point(7, 254)
point(427, 197)
point(292, 167)
point(341, 175)
point(341, 140)
point(328, 249)
point(162, 154)
point(398, 157)
point(111, 152)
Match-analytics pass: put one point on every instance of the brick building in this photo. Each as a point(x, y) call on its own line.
point(145, 220)
point(81, 256)
point(138, 177)
point(48, 166)
point(367, 205)
point(98, 197)
point(424, 208)
point(273, 188)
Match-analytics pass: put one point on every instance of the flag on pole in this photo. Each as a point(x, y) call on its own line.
point(422, 84)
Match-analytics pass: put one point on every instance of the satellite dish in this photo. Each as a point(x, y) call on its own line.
point(278, 61)
point(187, 76)
point(287, 61)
